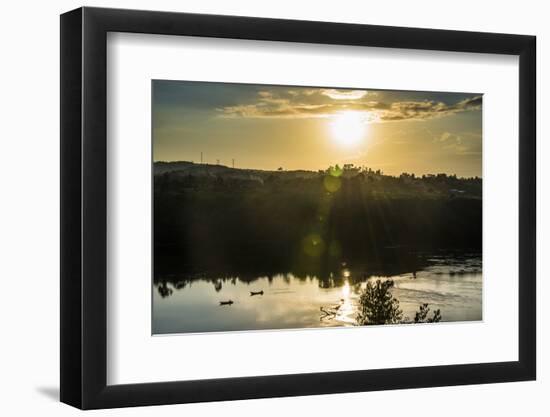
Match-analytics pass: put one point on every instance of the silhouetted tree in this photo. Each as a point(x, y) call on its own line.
point(421, 316)
point(377, 305)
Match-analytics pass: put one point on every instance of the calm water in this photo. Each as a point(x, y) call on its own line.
point(452, 284)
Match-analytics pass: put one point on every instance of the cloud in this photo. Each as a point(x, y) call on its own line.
point(319, 103)
point(344, 94)
point(448, 138)
point(467, 143)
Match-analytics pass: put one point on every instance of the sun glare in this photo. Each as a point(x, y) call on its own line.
point(346, 290)
point(348, 128)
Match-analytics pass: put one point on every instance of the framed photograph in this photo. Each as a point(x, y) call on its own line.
point(257, 208)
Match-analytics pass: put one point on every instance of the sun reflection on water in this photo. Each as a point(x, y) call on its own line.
point(346, 290)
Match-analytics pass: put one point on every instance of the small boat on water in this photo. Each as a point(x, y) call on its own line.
point(226, 303)
point(252, 293)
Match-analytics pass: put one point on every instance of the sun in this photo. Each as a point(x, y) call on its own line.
point(348, 128)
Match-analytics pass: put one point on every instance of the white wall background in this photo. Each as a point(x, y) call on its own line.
point(29, 211)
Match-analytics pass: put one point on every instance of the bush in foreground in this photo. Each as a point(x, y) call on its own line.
point(377, 305)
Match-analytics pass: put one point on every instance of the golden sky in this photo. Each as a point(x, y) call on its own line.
point(267, 127)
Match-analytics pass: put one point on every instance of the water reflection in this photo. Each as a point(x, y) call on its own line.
point(204, 302)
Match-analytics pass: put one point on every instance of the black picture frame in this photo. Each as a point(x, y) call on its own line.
point(84, 207)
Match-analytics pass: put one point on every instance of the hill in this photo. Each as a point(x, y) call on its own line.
point(210, 217)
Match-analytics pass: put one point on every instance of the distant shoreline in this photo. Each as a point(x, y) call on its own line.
point(173, 166)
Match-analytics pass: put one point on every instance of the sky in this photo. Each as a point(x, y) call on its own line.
point(270, 127)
